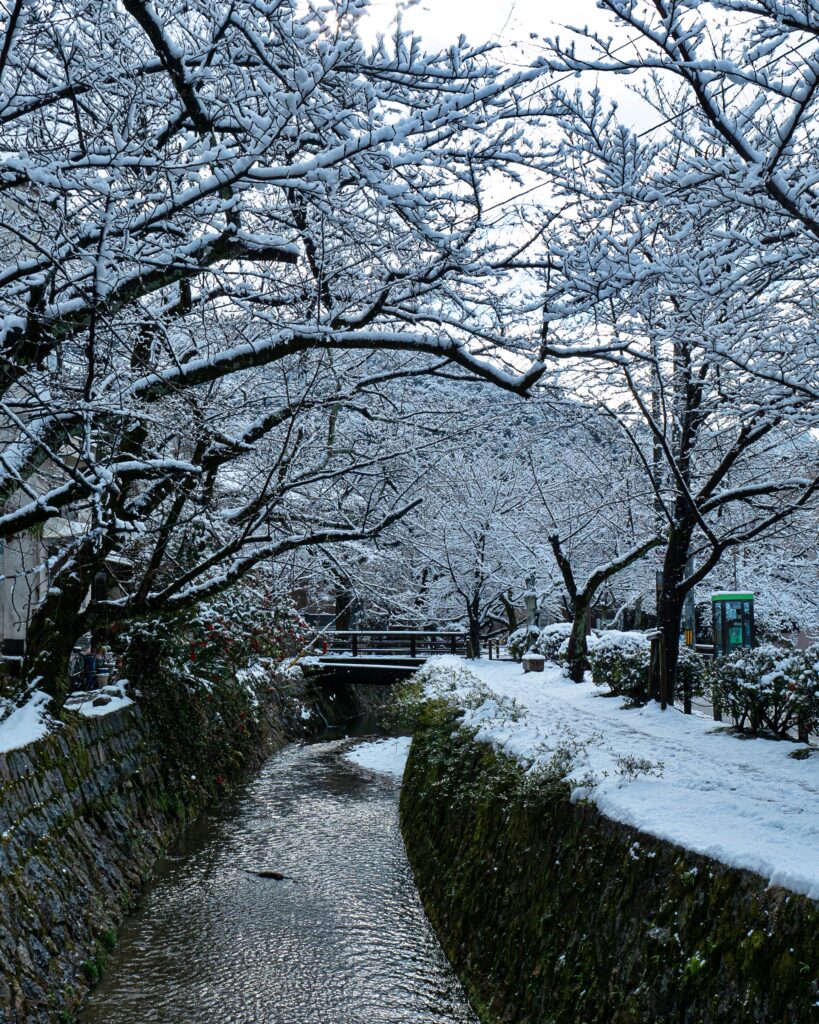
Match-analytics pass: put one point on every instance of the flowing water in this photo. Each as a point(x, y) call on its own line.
point(345, 941)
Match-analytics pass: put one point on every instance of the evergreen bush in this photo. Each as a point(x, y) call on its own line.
point(620, 661)
point(522, 640)
point(693, 674)
point(552, 639)
point(769, 689)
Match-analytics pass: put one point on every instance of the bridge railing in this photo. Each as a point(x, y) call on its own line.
point(394, 643)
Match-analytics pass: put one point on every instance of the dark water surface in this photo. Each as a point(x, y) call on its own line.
point(347, 942)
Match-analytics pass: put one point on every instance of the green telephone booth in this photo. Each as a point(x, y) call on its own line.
point(733, 616)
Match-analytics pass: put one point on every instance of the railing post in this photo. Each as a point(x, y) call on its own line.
point(412, 646)
point(355, 644)
point(452, 645)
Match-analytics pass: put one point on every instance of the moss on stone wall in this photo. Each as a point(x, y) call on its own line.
point(553, 914)
point(86, 812)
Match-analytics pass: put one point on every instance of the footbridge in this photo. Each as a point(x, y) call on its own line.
point(380, 655)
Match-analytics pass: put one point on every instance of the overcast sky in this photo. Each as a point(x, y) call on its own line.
point(440, 22)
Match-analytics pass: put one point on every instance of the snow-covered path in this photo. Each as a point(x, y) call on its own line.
point(742, 801)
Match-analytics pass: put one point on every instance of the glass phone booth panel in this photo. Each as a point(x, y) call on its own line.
point(733, 616)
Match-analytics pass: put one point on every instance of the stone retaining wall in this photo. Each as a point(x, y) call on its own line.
point(83, 815)
point(553, 914)
point(86, 811)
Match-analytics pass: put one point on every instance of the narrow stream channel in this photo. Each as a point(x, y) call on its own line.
point(345, 942)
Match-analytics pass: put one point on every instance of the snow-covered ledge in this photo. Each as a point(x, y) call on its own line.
point(583, 861)
point(684, 778)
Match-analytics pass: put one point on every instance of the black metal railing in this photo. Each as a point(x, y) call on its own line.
point(396, 643)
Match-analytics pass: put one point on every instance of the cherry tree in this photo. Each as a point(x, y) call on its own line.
point(713, 382)
point(596, 510)
point(210, 214)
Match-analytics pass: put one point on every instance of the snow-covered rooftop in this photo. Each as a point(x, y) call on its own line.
point(742, 801)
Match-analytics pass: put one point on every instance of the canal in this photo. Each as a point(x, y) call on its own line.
point(342, 940)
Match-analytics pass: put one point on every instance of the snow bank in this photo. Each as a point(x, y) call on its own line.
point(387, 756)
point(681, 778)
point(26, 724)
point(93, 703)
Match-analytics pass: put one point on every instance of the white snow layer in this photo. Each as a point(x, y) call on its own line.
point(109, 698)
point(26, 724)
point(679, 777)
point(387, 756)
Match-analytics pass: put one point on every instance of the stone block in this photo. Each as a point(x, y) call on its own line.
point(532, 662)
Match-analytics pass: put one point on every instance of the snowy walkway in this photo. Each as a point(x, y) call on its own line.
point(742, 801)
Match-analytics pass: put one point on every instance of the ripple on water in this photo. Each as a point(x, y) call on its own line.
point(346, 942)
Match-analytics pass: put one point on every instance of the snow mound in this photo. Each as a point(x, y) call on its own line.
point(26, 724)
point(387, 756)
point(94, 703)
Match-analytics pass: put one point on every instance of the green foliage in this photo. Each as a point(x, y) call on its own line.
point(621, 661)
point(632, 767)
point(694, 966)
point(404, 709)
point(693, 673)
point(521, 641)
point(246, 626)
point(92, 968)
point(769, 689)
point(229, 634)
point(494, 774)
point(436, 684)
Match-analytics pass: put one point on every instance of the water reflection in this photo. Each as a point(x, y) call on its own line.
point(345, 942)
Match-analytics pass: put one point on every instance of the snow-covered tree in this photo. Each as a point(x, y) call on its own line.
point(713, 381)
point(206, 212)
point(597, 514)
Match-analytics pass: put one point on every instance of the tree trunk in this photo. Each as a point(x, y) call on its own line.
point(509, 612)
point(345, 603)
point(578, 645)
point(670, 608)
point(581, 600)
point(473, 616)
point(669, 621)
point(53, 630)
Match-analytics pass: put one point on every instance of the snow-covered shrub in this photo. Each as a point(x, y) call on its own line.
point(443, 678)
point(546, 641)
point(562, 657)
point(620, 661)
point(806, 665)
point(446, 673)
point(551, 640)
point(522, 640)
point(769, 689)
point(693, 673)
